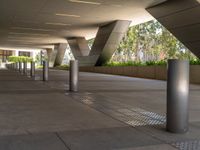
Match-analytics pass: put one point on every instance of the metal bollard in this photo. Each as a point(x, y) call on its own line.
point(25, 68)
point(73, 76)
point(177, 96)
point(45, 70)
point(12, 66)
point(32, 73)
point(20, 67)
point(16, 66)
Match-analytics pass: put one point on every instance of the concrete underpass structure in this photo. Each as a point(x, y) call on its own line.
point(106, 42)
point(51, 109)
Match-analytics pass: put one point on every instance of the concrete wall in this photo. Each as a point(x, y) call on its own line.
point(149, 72)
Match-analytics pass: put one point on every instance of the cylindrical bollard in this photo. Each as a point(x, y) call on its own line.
point(20, 67)
point(25, 68)
point(12, 66)
point(177, 96)
point(32, 69)
point(16, 65)
point(73, 76)
point(45, 70)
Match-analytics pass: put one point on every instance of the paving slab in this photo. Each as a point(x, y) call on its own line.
point(32, 142)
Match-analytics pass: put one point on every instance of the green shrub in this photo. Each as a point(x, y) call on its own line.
point(19, 59)
point(62, 67)
point(136, 63)
point(195, 62)
point(148, 63)
point(39, 67)
point(156, 63)
point(129, 63)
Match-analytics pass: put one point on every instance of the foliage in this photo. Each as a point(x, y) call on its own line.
point(128, 63)
point(90, 43)
point(156, 63)
point(150, 41)
point(134, 63)
point(38, 58)
point(19, 59)
point(39, 66)
point(195, 62)
point(62, 67)
point(147, 63)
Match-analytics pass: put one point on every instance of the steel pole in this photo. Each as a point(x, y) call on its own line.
point(32, 69)
point(25, 68)
point(73, 76)
point(45, 70)
point(20, 67)
point(177, 96)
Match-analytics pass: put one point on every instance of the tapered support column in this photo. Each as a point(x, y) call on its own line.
point(73, 76)
point(25, 68)
point(45, 70)
point(177, 96)
point(61, 49)
point(20, 67)
point(32, 73)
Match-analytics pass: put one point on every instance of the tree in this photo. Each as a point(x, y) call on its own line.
point(151, 40)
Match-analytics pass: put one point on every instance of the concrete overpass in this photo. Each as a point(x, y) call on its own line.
point(46, 24)
point(107, 112)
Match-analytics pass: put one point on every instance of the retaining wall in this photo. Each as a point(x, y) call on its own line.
point(149, 72)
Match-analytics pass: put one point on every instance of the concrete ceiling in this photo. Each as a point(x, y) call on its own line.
point(42, 23)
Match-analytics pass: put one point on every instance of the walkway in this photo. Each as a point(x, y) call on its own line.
point(109, 113)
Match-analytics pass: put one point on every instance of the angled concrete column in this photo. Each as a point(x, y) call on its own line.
point(108, 39)
point(80, 50)
point(177, 96)
point(25, 68)
point(79, 46)
point(73, 75)
point(61, 48)
point(52, 53)
point(32, 73)
point(45, 70)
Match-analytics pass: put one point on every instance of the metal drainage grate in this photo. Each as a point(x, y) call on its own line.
point(187, 145)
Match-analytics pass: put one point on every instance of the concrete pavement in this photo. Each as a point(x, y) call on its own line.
point(108, 113)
